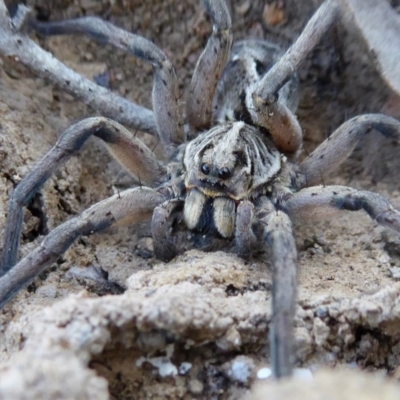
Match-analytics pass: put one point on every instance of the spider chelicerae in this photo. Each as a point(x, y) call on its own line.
point(232, 169)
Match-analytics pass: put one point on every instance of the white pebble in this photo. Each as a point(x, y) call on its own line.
point(264, 373)
point(184, 368)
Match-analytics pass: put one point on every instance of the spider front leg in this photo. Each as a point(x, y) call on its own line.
point(128, 207)
point(277, 232)
point(129, 151)
point(209, 67)
point(337, 148)
point(270, 97)
point(164, 248)
point(244, 235)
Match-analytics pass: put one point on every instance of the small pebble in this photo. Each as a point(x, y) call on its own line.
point(395, 272)
point(47, 291)
point(264, 373)
point(184, 368)
point(195, 386)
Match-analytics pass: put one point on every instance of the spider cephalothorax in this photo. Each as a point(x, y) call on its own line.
point(231, 177)
point(230, 163)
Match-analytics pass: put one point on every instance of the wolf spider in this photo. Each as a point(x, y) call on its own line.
point(232, 170)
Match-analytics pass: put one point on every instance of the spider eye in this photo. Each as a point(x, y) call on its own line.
point(205, 169)
point(224, 173)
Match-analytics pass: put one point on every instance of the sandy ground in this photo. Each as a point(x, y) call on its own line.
point(205, 314)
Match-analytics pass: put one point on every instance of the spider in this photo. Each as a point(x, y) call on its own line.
point(233, 170)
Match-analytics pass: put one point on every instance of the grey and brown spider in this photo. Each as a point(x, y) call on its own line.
point(232, 170)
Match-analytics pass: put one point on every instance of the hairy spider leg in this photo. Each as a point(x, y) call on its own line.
point(328, 198)
point(133, 155)
point(16, 44)
point(164, 247)
point(209, 67)
point(165, 96)
point(337, 147)
point(244, 236)
point(277, 232)
point(128, 207)
point(269, 106)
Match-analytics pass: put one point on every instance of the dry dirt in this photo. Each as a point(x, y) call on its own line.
point(196, 327)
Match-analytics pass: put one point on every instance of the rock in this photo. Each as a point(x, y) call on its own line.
point(342, 384)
